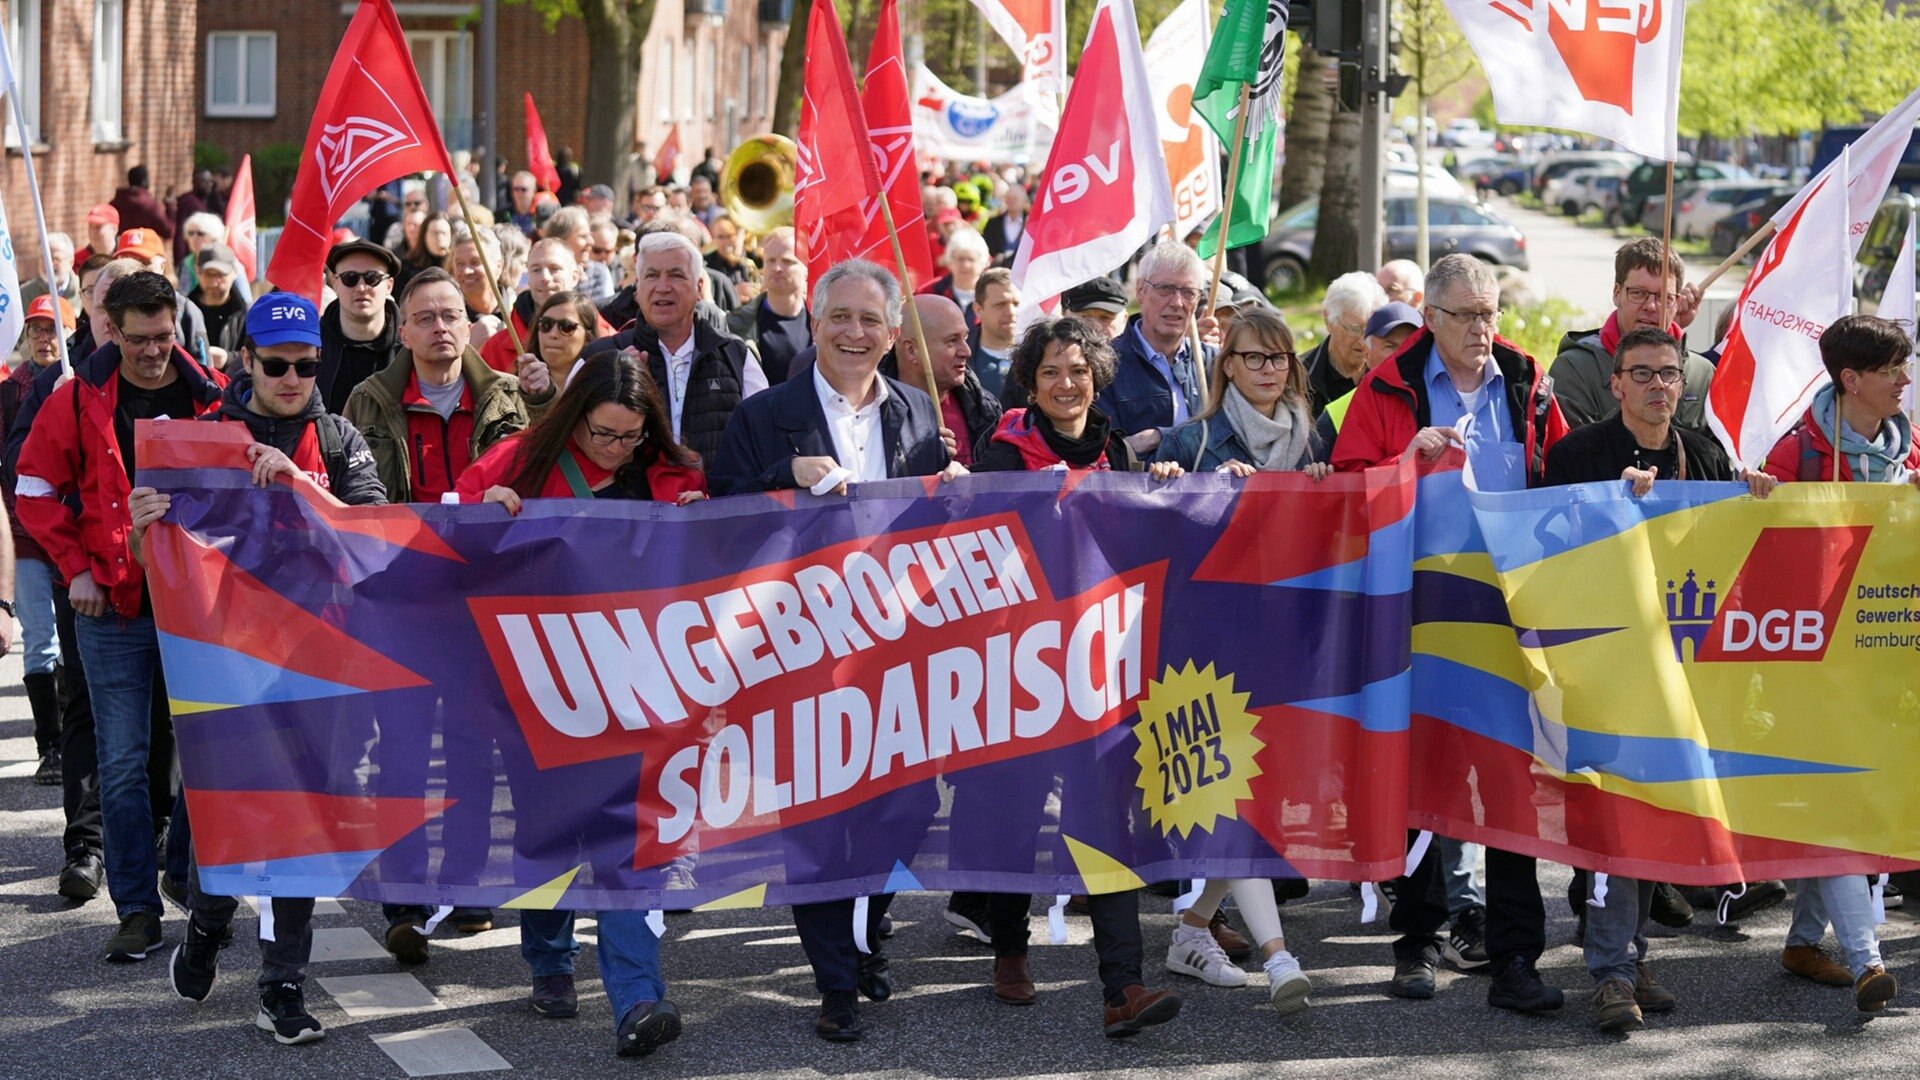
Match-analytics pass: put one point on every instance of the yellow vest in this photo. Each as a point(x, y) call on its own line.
point(1337, 410)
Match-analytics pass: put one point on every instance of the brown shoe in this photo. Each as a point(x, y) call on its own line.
point(1230, 940)
point(1649, 994)
point(1808, 962)
point(1012, 981)
point(1615, 1008)
point(1874, 989)
point(1142, 1008)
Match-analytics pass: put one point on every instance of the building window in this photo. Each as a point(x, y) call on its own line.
point(743, 78)
point(757, 85)
point(663, 86)
point(23, 39)
point(109, 62)
point(711, 76)
point(683, 84)
point(240, 68)
point(444, 59)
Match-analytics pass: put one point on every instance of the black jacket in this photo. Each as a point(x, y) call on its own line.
point(345, 362)
point(1139, 397)
point(999, 245)
point(236, 325)
point(981, 409)
point(714, 386)
point(769, 430)
point(351, 475)
point(1603, 450)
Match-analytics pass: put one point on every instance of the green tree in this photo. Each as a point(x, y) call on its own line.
point(616, 31)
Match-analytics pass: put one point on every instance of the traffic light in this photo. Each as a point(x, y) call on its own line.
point(1327, 26)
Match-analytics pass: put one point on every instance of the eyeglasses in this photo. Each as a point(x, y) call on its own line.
point(1639, 297)
point(1668, 376)
point(1259, 361)
point(141, 344)
point(1352, 330)
point(372, 279)
point(277, 369)
point(548, 326)
point(615, 438)
point(1471, 318)
point(427, 320)
point(523, 191)
point(1167, 291)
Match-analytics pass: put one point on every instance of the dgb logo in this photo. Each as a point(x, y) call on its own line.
point(1782, 604)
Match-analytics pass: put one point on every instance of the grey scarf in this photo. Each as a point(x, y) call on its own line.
point(1278, 444)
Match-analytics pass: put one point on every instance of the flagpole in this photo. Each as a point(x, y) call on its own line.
point(1194, 343)
point(1233, 177)
point(1666, 254)
point(39, 211)
point(906, 289)
point(480, 249)
point(1739, 253)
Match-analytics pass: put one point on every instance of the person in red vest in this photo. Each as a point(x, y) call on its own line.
point(551, 270)
point(282, 409)
point(75, 477)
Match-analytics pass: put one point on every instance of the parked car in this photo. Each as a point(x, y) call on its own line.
point(1880, 248)
point(1649, 180)
point(1702, 205)
point(1732, 230)
point(1555, 165)
point(1507, 179)
point(1454, 224)
point(1404, 178)
point(1575, 192)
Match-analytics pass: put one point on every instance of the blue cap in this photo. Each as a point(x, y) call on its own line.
point(282, 318)
point(1391, 315)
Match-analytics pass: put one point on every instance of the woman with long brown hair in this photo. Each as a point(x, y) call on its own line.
point(1256, 419)
point(607, 437)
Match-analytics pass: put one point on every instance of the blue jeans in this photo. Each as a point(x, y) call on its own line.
point(1616, 933)
point(1847, 902)
point(122, 658)
point(33, 597)
point(1457, 859)
point(629, 953)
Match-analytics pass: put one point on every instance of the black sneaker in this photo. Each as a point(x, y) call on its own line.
point(173, 889)
point(1517, 986)
point(967, 912)
point(194, 963)
point(1414, 978)
point(554, 997)
point(82, 877)
point(283, 1011)
point(885, 929)
point(1669, 907)
point(139, 934)
point(48, 774)
point(1285, 889)
point(1466, 947)
point(1760, 895)
point(1891, 897)
point(646, 1027)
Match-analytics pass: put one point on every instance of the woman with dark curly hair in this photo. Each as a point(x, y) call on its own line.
point(1062, 364)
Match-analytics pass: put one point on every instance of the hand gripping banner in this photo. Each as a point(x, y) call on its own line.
point(1042, 682)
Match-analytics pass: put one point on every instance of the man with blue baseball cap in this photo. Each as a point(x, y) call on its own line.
point(292, 432)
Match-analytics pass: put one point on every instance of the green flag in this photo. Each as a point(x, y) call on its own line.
point(1247, 50)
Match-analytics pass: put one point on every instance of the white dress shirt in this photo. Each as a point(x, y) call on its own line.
point(858, 443)
point(680, 369)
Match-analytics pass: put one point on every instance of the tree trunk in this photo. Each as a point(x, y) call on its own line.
point(616, 29)
point(1336, 239)
point(793, 66)
point(1306, 135)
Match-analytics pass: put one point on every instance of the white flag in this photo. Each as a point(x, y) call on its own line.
point(1174, 55)
point(1105, 191)
point(1606, 67)
point(1897, 301)
point(1770, 364)
point(13, 311)
point(1036, 31)
point(1875, 155)
point(960, 127)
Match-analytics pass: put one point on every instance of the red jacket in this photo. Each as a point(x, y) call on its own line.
point(498, 352)
point(1390, 407)
point(1805, 452)
point(73, 451)
point(501, 462)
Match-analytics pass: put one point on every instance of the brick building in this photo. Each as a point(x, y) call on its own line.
point(711, 65)
point(105, 87)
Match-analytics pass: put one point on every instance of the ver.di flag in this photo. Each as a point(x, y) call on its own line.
point(1246, 53)
point(372, 124)
point(1174, 54)
point(1607, 69)
point(1872, 159)
point(1105, 191)
point(1036, 31)
point(1770, 363)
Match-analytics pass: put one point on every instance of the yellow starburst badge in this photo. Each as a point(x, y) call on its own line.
point(1196, 750)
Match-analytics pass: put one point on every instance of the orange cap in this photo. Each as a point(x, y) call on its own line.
point(142, 244)
point(42, 308)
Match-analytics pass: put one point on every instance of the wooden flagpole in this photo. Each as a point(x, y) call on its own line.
point(1194, 344)
point(480, 249)
point(1666, 253)
point(39, 214)
point(1759, 235)
point(1233, 177)
point(906, 290)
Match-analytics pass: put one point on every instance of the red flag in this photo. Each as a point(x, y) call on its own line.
point(667, 157)
point(836, 174)
point(539, 157)
point(371, 125)
point(240, 226)
point(889, 110)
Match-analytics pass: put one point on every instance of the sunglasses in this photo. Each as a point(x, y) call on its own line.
point(277, 369)
point(565, 326)
point(353, 279)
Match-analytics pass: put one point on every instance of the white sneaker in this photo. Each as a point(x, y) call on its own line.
point(1194, 952)
point(1287, 985)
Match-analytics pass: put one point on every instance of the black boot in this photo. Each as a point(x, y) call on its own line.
point(44, 699)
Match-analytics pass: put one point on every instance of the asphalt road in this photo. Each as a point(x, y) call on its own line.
point(744, 988)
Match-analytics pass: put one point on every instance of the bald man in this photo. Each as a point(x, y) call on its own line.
point(1403, 281)
point(967, 409)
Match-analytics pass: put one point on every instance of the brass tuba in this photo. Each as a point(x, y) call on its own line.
point(756, 186)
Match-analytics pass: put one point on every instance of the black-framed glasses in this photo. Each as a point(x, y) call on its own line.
point(548, 326)
point(277, 369)
point(1169, 291)
point(1668, 376)
point(1471, 318)
point(1638, 297)
point(372, 279)
point(1259, 361)
point(615, 438)
point(139, 344)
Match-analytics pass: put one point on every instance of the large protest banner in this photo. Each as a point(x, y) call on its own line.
point(1043, 682)
point(1695, 686)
